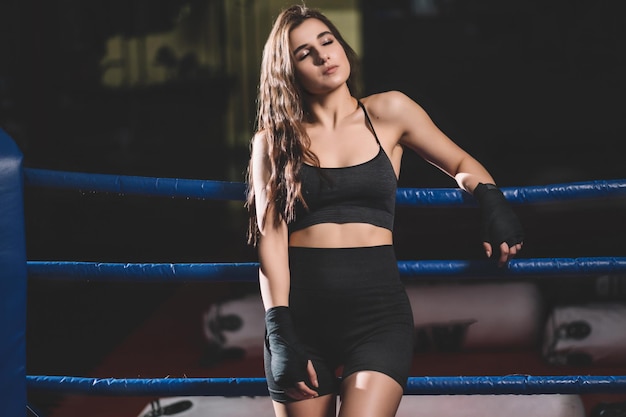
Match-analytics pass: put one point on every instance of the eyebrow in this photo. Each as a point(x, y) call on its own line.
point(321, 35)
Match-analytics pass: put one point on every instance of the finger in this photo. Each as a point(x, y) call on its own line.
point(515, 249)
point(308, 392)
point(504, 254)
point(487, 248)
point(296, 394)
point(301, 392)
point(312, 374)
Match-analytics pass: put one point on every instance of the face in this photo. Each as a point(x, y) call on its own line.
point(320, 61)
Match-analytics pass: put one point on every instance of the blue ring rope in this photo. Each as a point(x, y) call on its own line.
point(219, 190)
point(224, 190)
point(248, 271)
point(134, 185)
point(224, 387)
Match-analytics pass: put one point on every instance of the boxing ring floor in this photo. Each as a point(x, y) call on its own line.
point(161, 343)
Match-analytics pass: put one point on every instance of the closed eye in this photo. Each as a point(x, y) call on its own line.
point(302, 54)
point(305, 52)
point(302, 51)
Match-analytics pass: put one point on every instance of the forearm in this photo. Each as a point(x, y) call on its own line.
point(289, 359)
point(470, 173)
point(274, 276)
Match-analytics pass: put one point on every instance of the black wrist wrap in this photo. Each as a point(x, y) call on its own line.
point(288, 357)
point(499, 221)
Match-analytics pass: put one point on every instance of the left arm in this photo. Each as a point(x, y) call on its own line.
point(414, 129)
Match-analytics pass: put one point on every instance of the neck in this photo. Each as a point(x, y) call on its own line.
point(329, 109)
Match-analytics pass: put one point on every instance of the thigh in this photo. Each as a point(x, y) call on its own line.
point(369, 394)
point(324, 406)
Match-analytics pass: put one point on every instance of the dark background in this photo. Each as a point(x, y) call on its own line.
point(534, 89)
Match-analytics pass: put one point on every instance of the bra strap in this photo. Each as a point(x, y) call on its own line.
point(367, 116)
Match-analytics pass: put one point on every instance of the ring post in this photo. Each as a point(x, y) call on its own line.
point(12, 281)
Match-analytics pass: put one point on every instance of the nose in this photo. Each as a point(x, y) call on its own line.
point(321, 59)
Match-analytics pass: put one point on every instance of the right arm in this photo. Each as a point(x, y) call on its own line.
point(272, 246)
point(274, 277)
point(274, 265)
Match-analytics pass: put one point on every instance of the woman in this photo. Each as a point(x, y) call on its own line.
point(322, 180)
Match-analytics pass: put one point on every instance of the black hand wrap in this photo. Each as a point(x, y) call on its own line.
point(288, 357)
point(499, 221)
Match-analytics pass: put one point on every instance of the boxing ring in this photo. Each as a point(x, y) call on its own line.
point(15, 270)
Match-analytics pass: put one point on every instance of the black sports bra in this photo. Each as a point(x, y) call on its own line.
point(363, 193)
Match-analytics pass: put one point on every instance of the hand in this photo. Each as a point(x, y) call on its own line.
point(288, 358)
point(506, 252)
point(302, 391)
point(502, 231)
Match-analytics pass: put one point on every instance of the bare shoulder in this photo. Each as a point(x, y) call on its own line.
point(259, 142)
point(259, 147)
point(259, 155)
point(389, 105)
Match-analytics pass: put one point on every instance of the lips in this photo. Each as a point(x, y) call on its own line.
point(331, 70)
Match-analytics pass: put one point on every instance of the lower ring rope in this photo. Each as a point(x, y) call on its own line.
point(225, 387)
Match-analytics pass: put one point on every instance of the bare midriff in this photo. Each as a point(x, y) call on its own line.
point(347, 235)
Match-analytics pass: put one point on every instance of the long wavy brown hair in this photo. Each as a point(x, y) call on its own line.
point(281, 109)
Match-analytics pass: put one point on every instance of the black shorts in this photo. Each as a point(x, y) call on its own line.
point(351, 311)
